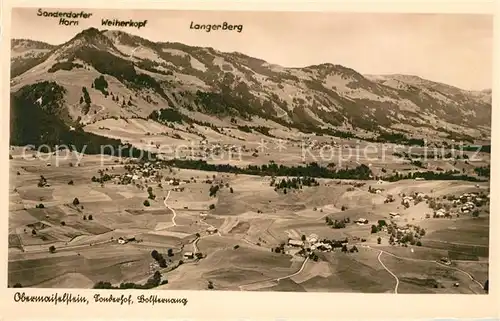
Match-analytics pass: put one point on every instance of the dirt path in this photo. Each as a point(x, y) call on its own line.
point(168, 207)
point(422, 260)
point(241, 287)
point(296, 273)
point(464, 272)
point(210, 225)
point(390, 272)
point(195, 246)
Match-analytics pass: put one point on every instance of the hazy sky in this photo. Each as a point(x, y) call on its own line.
point(454, 49)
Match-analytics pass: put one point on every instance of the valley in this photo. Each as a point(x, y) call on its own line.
point(186, 168)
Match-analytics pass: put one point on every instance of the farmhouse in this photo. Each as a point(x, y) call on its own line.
point(313, 238)
point(323, 246)
point(121, 240)
point(211, 230)
point(295, 243)
point(361, 221)
point(440, 213)
point(188, 255)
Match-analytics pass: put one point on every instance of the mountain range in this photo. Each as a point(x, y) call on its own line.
point(102, 74)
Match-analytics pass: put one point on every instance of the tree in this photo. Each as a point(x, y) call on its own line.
point(157, 276)
point(382, 223)
point(344, 248)
point(17, 285)
point(210, 285)
point(211, 207)
point(84, 217)
point(419, 243)
point(236, 246)
point(199, 255)
point(170, 252)
point(71, 182)
point(475, 213)
point(63, 223)
point(146, 203)
point(86, 96)
point(91, 217)
point(155, 255)
point(52, 249)
point(486, 286)
point(231, 190)
point(374, 229)
point(303, 238)
point(197, 235)
point(379, 240)
point(76, 201)
point(33, 232)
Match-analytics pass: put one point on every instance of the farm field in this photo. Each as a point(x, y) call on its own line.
point(151, 160)
point(88, 232)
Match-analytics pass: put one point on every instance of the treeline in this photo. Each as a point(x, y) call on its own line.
point(361, 172)
point(427, 155)
point(261, 129)
point(151, 283)
point(337, 224)
point(294, 183)
point(171, 115)
point(65, 65)
point(482, 148)
point(483, 171)
point(433, 176)
point(398, 138)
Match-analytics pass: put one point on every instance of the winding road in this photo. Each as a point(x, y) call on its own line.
point(420, 260)
point(168, 207)
point(394, 275)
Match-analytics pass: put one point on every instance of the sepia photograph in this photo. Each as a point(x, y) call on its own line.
point(254, 151)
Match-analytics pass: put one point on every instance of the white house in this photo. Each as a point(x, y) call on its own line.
point(394, 215)
point(188, 255)
point(440, 213)
point(121, 240)
point(313, 238)
point(295, 243)
point(361, 221)
point(211, 230)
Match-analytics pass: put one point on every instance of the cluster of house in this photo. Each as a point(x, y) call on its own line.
point(313, 243)
point(406, 200)
point(440, 213)
point(468, 202)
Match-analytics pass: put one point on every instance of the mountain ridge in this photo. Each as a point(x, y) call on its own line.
point(223, 84)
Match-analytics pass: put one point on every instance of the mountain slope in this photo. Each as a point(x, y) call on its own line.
point(135, 77)
point(41, 121)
